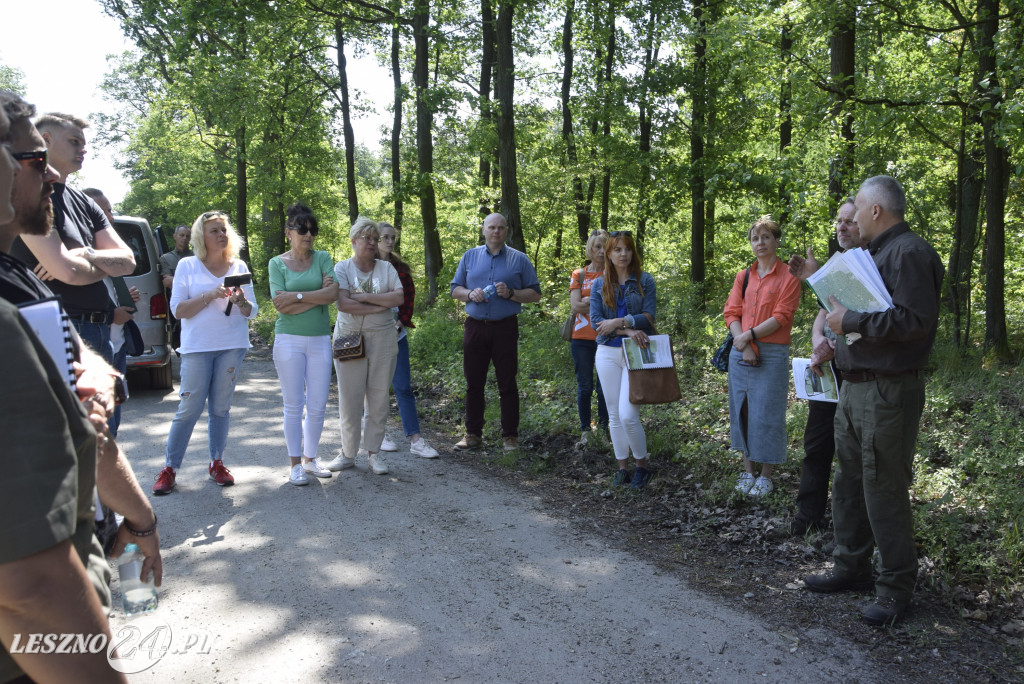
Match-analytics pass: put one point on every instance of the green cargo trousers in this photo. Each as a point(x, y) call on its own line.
point(876, 435)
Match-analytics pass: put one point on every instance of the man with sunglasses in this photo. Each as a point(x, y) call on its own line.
point(57, 454)
point(84, 248)
point(494, 281)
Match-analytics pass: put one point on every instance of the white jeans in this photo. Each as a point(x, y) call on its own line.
point(623, 417)
point(304, 369)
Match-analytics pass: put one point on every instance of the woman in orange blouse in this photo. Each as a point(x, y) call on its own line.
point(760, 321)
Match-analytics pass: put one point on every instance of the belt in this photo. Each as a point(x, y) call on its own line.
point(486, 321)
point(92, 317)
point(869, 376)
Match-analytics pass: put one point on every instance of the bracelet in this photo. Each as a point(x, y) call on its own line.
point(203, 297)
point(142, 533)
point(511, 293)
point(753, 335)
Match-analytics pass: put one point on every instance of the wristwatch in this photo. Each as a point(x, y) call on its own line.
point(298, 296)
point(120, 388)
point(90, 254)
point(511, 293)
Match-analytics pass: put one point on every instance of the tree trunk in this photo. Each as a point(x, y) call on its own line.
point(609, 63)
point(697, 131)
point(711, 110)
point(396, 135)
point(969, 188)
point(786, 120)
point(842, 48)
point(487, 59)
point(996, 177)
point(433, 259)
point(346, 123)
point(242, 193)
point(568, 136)
point(504, 91)
point(644, 190)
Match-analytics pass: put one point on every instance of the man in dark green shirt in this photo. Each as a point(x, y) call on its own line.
point(880, 406)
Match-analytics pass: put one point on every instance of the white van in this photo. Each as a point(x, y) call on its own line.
point(151, 314)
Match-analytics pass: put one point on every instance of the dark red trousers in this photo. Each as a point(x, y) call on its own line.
point(484, 343)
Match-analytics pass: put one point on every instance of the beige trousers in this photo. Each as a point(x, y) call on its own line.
point(366, 381)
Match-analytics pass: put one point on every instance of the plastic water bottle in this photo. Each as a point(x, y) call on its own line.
point(489, 292)
point(136, 596)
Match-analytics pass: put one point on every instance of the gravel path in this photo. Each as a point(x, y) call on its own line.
point(431, 573)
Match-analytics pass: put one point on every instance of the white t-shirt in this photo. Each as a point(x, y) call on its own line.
point(383, 278)
point(210, 329)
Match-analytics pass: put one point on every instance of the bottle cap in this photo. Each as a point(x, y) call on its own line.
point(131, 548)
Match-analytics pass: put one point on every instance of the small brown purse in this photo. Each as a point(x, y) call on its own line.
point(349, 347)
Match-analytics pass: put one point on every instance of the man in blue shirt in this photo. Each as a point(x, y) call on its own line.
point(495, 281)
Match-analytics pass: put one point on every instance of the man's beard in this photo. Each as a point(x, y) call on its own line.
point(40, 222)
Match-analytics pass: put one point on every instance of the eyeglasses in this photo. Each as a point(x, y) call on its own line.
point(302, 230)
point(370, 238)
point(39, 159)
point(621, 233)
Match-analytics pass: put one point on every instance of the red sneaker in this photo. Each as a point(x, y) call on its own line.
point(220, 474)
point(164, 481)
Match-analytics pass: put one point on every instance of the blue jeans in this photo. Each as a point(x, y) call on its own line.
point(204, 375)
point(583, 353)
point(402, 384)
point(97, 336)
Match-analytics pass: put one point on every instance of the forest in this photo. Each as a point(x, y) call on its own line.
point(679, 121)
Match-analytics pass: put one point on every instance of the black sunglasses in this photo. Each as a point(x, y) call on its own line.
point(620, 233)
point(38, 159)
point(213, 214)
point(302, 230)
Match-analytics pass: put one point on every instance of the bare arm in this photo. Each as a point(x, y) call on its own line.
point(285, 302)
point(358, 307)
point(191, 307)
point(35, 593)
point(113, 256)
point(118, 489)
point(58, 262)
point(580, 304)
point(386, 300)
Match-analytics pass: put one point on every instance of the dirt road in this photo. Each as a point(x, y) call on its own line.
point(431, 573)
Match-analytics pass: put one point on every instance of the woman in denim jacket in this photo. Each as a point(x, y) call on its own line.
point(625, 308)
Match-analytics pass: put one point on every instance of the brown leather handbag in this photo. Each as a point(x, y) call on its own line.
point(349, 347)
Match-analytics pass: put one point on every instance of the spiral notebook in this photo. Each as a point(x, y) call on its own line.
point(51, 325)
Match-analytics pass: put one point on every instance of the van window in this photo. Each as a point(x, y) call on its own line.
point(132, 235)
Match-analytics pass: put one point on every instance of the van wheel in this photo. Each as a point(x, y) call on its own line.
point(160, 377)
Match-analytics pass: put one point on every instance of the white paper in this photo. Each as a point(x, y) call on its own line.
point(813, 387)
point(657, 353)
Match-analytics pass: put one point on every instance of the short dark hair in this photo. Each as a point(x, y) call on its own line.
point(93, 192)
point(16, 109)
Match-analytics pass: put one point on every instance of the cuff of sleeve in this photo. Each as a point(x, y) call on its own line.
point(630, 320)
point(851, 321)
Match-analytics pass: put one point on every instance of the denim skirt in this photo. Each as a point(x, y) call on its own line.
point(765, 391)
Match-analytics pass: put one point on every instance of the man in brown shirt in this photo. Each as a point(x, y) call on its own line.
point(880, 406)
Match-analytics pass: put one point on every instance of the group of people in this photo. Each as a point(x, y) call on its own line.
point(872, 431)
point(64, 238)
point(60, 451)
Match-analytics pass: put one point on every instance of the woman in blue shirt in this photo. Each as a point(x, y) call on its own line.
point(622, 304)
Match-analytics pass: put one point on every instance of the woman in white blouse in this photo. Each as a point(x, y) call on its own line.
point(214, 340)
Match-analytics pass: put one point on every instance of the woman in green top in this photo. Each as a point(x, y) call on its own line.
point(303, 287)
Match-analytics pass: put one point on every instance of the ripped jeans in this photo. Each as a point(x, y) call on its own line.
point(204, 376)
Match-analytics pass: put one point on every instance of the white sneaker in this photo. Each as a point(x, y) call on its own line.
point(423, 449)
point(762, 487)
point(298, 476)
point(744, 483)
point(314, 467)
point(388, 445)
point(341, 463)
point(378, 465)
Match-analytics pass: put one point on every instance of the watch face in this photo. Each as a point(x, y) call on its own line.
point(299, 295)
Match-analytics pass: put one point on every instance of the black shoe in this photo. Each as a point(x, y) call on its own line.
point(884, 611)
point(801, 526)
point(622, 477)
point(641, 476)
point(831, 582)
